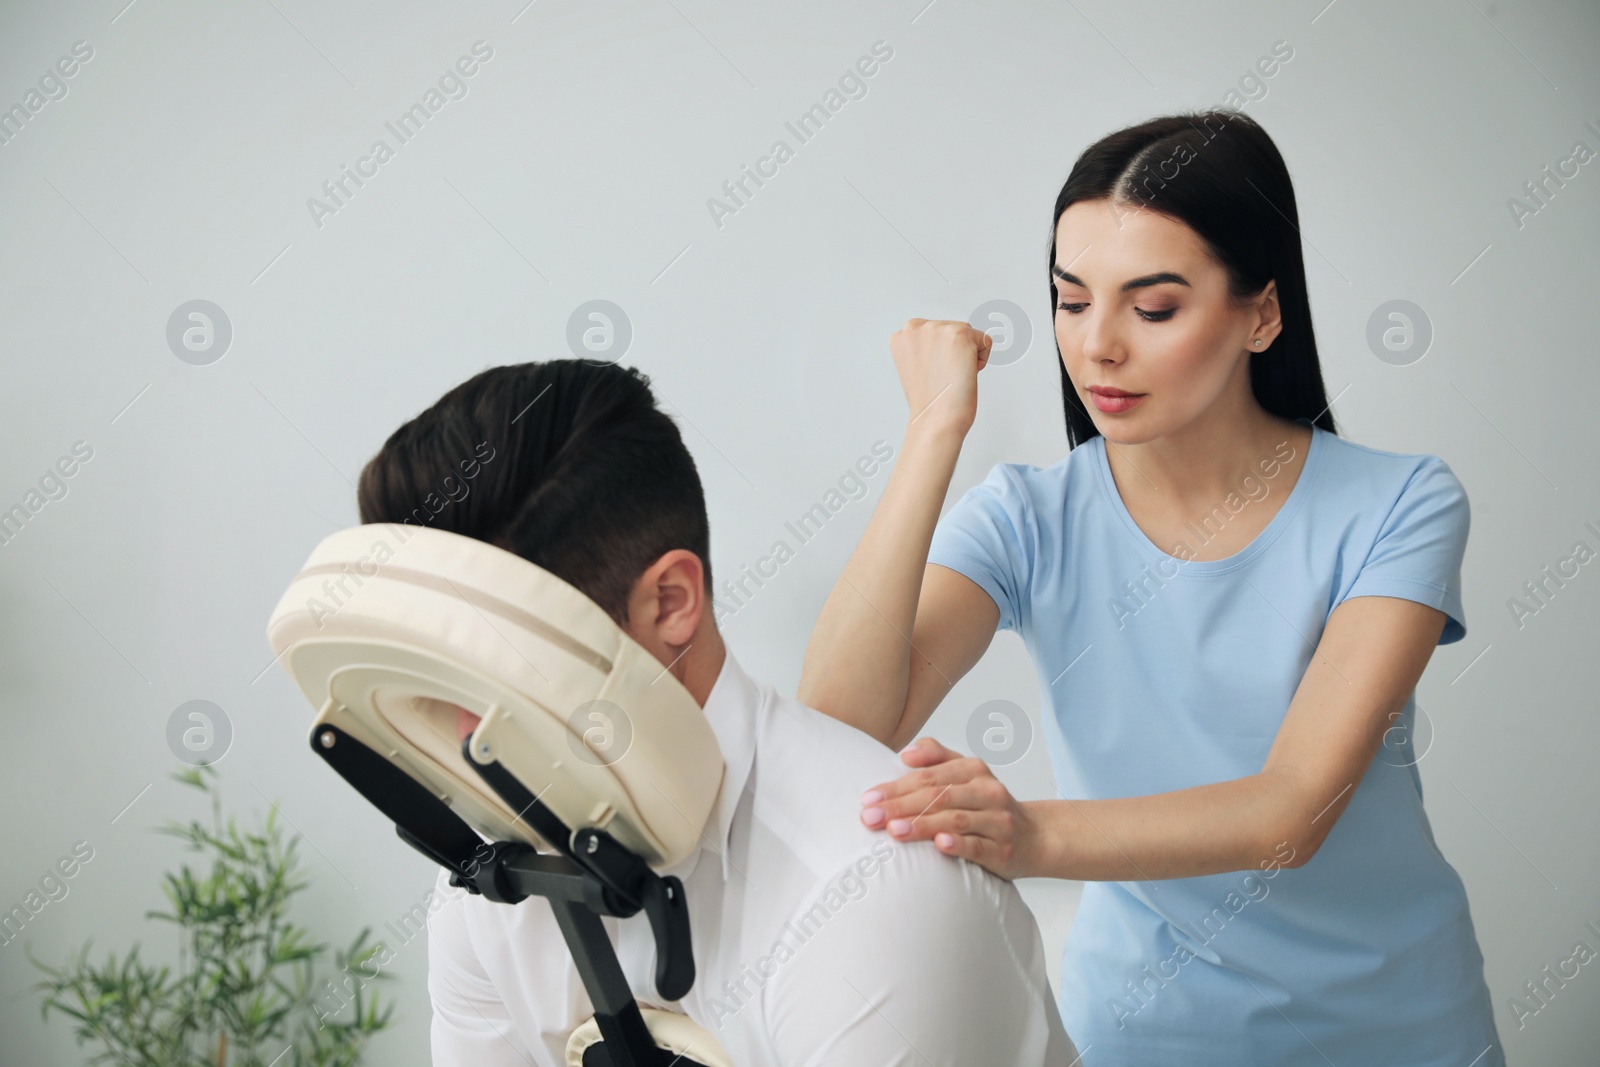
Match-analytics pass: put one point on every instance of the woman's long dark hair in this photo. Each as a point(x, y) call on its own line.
point(1220, 174)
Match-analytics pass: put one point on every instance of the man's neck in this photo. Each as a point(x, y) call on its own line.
point(700, 662)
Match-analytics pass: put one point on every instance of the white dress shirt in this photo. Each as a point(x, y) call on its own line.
point(816, 940)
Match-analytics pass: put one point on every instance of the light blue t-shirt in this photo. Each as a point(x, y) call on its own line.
point(1160, 673)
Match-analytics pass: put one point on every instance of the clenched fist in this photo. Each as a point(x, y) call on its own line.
point(938, 362)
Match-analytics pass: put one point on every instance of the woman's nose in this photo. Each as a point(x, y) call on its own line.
point(1097, 338)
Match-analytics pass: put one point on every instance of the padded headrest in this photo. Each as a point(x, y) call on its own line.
point(388, 629)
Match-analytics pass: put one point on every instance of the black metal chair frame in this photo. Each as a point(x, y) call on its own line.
point(592, 875)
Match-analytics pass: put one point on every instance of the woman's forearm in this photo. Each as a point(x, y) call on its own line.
point(857, 665)
point(1208, 829)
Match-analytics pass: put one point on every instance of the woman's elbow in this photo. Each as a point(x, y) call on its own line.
point(1293, 837)
point(1292, 842)
point(1281, 849)
point(850, 712)
point(1298, 820)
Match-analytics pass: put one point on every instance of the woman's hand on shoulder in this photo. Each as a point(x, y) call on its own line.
point(938, 362)
point(956, 802)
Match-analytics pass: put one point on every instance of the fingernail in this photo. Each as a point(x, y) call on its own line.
point(900, 827)
point(872, 796)
point(873, 816)
point(945, 840)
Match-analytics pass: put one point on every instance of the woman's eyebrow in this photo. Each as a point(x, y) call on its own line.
point(1136, 283)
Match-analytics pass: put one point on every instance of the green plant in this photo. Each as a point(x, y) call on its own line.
point(242, 994)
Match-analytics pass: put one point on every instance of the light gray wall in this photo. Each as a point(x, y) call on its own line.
point(578, 167)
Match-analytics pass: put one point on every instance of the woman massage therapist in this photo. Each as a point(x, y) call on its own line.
point(1228, 608)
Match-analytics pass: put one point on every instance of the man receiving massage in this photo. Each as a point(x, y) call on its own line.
point(816, 940)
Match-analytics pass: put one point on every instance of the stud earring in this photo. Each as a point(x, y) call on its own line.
point(1258, 344)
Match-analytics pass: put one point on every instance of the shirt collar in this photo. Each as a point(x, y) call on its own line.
point(731, 708)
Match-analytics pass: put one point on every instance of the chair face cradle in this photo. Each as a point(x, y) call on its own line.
point(590, 764)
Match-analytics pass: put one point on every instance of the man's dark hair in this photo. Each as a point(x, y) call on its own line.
point(566, 463)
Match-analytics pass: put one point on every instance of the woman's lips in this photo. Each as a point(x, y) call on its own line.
point(1113, 405)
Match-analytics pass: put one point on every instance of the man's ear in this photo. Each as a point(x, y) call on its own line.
point(667, 601)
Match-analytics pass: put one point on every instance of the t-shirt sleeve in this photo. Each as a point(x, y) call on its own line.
point(982, 537)
point(1419, 549)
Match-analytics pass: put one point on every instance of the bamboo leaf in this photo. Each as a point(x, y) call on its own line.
point(247, 982)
